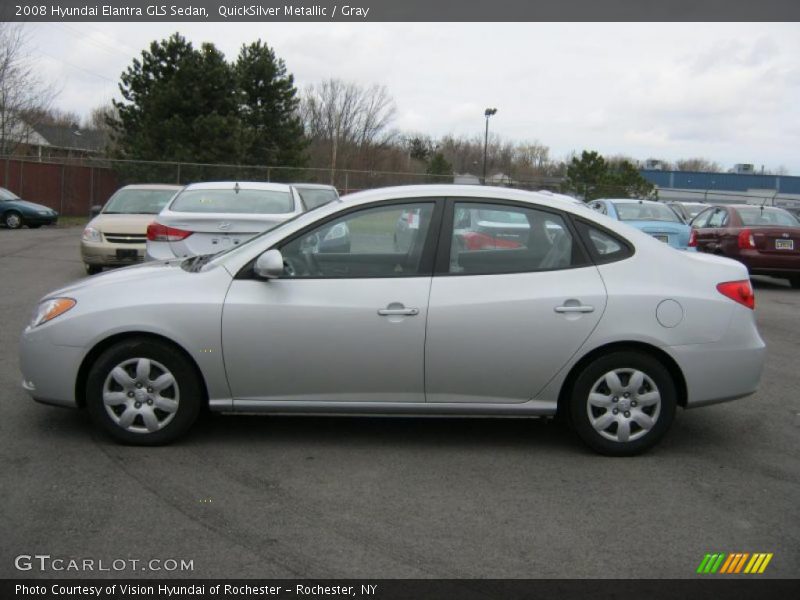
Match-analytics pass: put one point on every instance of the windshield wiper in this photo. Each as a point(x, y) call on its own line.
point(195, 263)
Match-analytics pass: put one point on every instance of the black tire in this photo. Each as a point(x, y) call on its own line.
point(627, 407)
point(794, 281)
point(92, 269)
point(13, 220)
point(189, 392)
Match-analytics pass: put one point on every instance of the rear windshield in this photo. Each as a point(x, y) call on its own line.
point(501, 216)
point(138, 202)
point(258, 202)
point(633, 211)
point(755, 215)
point(314, 198)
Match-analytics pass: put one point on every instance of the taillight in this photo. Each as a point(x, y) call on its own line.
point(739, 291)
point(746, 241)
point(693, 238)
point(156, 232)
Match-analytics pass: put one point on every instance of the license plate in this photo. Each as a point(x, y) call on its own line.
point(662, 238)
point(126, 254)
point(784, 244)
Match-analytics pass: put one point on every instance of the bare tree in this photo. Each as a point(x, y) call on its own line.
point(24, 98)
point(698, 165)
point(348, 120)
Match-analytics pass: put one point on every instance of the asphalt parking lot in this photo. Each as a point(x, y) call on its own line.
point(395, 497)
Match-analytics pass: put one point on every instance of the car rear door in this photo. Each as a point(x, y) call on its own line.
point(345, 326)
point(503, 321)
point(702, 234)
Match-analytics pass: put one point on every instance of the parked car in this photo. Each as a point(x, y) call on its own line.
point(206, 218)
point(653, 218)
point(687, 210)
point(117, 236)
point(765, 238)
point(591, 324)
point(16, 212)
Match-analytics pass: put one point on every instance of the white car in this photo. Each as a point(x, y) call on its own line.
point(206, 218)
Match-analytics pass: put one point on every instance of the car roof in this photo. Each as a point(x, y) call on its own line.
point(456, 190)
point(244, 185)
point(151, 186)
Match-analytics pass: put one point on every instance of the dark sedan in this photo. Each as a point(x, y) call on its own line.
point(765, 238)
point(16, 212)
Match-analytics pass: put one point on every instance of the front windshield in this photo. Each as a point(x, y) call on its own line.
point(694, 209)
point(635, 211)
point(238, 201)
point(7, 195)
point(138, 202)
point(754, 216)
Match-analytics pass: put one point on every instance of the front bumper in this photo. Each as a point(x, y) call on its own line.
point(49, 371)
point(105, 254)
point(40, 219)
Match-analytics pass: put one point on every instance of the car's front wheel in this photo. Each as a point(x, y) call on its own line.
point(623, 403)
point(143, 392)
point(13, 219)
point(92, 269)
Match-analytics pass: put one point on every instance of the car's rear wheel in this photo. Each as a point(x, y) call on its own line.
point(623, 403)
point(13, 219)
point(93, 269)
point(143, 392)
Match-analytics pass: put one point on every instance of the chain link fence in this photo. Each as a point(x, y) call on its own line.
point(73, 185)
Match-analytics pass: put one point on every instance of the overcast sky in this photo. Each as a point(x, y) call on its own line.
point(726, 92)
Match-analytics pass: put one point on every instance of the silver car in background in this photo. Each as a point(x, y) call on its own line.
point(205, 218)
point(582, 317)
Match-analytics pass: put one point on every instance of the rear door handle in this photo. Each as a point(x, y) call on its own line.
point(580, 308)
point(388, 312)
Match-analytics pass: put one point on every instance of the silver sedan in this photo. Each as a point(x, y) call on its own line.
point(575, 315)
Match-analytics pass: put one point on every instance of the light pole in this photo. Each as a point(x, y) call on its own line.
point(487, 113)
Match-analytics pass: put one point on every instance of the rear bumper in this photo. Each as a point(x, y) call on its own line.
point(158, 251)
point(760, 263)
point(724, 370)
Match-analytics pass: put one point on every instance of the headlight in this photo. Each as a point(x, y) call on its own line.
point(337, 231)
point(50, 309)
point(44, 212)
point(90, 234)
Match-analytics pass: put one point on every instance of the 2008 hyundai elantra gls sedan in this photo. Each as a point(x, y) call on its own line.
point(581, 317)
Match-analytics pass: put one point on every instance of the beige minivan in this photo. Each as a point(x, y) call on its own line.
point(118, 234)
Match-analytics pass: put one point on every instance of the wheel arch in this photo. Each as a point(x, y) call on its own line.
point(104, 344)
point(664, 358)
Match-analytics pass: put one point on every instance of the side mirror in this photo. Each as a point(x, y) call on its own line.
point(95, 210)
point(269, 265)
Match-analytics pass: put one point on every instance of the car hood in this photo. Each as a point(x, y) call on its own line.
point(111, 223)
point(25, 205)
point(148, 273)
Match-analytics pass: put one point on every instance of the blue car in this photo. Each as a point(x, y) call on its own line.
point(16, 212)
point(654, 218)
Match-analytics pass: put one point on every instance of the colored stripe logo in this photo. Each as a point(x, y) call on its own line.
point(734, 563)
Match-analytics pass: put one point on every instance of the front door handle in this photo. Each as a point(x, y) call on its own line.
point(389, 312)
point(575, 308)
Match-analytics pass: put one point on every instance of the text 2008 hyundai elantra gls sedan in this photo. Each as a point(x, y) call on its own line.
point(568, 312)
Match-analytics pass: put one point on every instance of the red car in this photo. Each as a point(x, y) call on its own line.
point(766, 239)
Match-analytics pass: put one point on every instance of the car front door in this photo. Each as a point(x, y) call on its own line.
point(345, 325)
point(503, 321)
